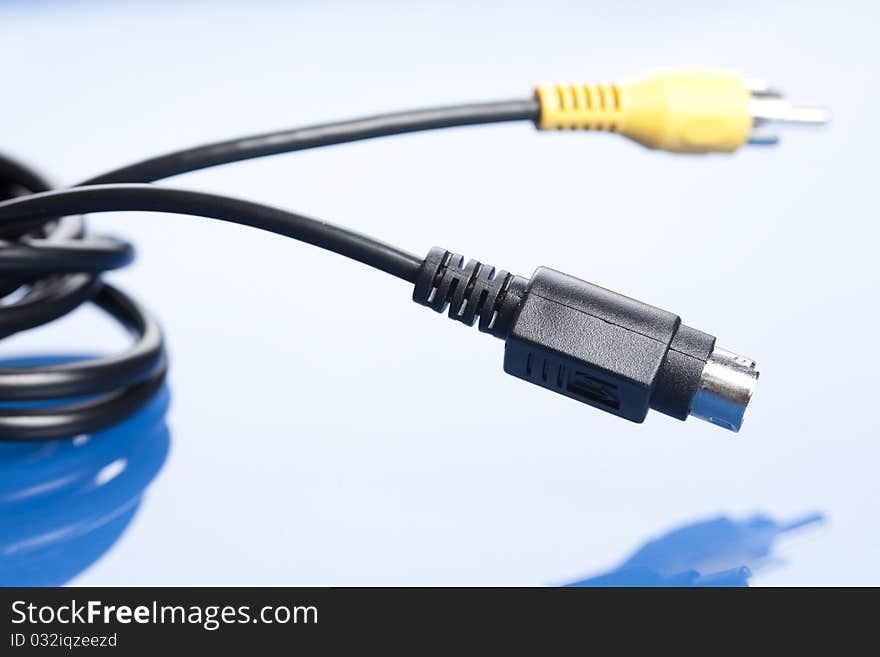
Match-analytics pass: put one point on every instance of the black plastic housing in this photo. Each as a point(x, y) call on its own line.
point(572, 337)
point(604, 349)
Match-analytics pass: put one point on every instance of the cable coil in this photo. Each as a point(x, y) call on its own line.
point(50, 265)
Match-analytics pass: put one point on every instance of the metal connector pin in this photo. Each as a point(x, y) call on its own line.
point(726, 387)
point(768, 106)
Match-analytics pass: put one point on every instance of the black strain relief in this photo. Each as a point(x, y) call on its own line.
point(471, 291)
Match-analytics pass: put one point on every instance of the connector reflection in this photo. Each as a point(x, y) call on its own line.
point(64, 503)
point(717, 552)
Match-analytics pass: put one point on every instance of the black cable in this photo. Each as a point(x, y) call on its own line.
point(49, 266)
point(285, 141)
point(115, 387)
point(53, 268)
point(123, 383)
point(115, 198)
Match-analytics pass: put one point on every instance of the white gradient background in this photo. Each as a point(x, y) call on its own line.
point(326, 430)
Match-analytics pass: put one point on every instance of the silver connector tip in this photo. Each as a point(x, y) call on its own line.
point(726, 387)
point(768, 107)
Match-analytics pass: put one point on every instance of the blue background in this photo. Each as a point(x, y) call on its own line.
point(316, 442)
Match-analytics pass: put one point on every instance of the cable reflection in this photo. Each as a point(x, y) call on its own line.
point(716, 552)
point(64, 503)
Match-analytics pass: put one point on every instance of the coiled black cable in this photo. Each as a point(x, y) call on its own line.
point(49, 265)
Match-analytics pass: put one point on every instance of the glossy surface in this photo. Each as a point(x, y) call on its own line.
point(64, 503)
point(371, 442)
point(715, 552)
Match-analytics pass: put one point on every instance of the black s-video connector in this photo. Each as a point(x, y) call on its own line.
point(591, 344)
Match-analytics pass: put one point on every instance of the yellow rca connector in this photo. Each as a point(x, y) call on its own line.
point(682, 111)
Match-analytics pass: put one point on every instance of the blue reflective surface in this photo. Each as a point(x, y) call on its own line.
point(64, 503)
point(717, 552)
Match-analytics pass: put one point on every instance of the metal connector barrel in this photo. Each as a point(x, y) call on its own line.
point(727, 383)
